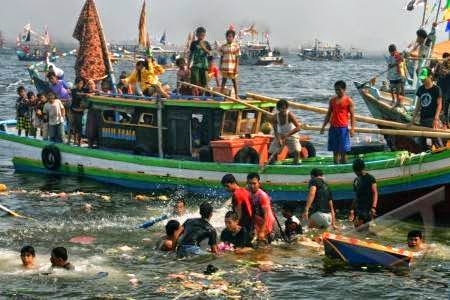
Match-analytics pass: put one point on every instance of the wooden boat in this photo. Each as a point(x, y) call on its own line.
point(146, 143)
point(361, 253)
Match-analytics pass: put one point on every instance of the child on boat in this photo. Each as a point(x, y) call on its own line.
point(340, 110)
point(173, 232)
point(236, 235)
point(364, 207)
point(77, 111)
point(213, 71)
point(200, 49)
point(22, 112)
point(40, 121)
point(183, 75)
point(292, 226)
point(396, 75)
point(55, 113)
point(145, 76)
point(415, 240)
point(59, 259)
point(28, 255)
point(229, 61)
point(320, 200)
point(31, 99)
point(285, 126)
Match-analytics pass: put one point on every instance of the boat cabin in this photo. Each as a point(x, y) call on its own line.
point(210, 129)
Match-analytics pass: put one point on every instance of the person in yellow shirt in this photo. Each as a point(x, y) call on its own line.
point(146, 75)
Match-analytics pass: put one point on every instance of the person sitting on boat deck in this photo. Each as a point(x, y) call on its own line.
point(396, 75)
point(40, 121)
point(173, 232)
point(77, 111)
point(443, 81)
point(340, 110)
point(213, 71)
point(197, 230)
point(292, 226)
point(59, 87)
point(31, 99)
point(240, 201)
point(145, 76)
point(230, 53)
point(28, 255)
point(55, 113)
point(320, 200)
point(263, 217)
point(199, 51)
point(183, 75)
point(22, 112)
point(59, 259)
point(123, 88)
point(285, 126)
point(235, 234)
point(429, 106)
point(415, 240)
point(364, 206)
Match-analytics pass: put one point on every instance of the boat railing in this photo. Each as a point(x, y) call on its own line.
point(172, 97)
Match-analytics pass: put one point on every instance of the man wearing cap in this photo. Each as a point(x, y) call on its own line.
point(429, 105)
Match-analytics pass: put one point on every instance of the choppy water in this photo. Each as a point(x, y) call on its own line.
point(294, 272)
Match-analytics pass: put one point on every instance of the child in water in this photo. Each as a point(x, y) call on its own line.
point(27, 255)
point(173, 232)
point(415, 240)
point(59, 259)
point(292, 226)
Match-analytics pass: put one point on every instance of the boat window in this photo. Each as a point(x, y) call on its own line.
point(248, 122)
point(114, 116)
point(229, 123)
point(146, 119)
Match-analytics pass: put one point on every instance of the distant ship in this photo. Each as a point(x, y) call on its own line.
point(33, 46)
point(322, 52)
point(353, 53)
point(2, 40)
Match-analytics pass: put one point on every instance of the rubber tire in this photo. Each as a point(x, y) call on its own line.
point(51, 157)
point(247, 155)
point(310, 147)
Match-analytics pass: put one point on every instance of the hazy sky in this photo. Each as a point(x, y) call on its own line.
point(367, 24)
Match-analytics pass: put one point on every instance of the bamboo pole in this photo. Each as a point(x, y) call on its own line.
point(358, 118)
point(396, 132)
point(227, 97)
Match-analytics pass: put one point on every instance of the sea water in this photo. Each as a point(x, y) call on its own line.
point(135, 270)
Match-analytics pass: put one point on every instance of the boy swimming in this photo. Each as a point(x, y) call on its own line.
point(173, 232)
point(415, 240)
point(59, 259)
point(27, 255)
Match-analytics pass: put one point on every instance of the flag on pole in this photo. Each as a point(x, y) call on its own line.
point(28, 36)
point(92, 61)
point(143, 35)
point(412, 4)
point(46, 37)
point(163, 39)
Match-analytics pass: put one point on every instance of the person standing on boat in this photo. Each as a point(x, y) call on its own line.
point(59, 87)
point(429, 106)
point(364, 206)
point(424, 42)
point(199, 51)
point(77, 111)
point(241, 201)
point(340, 110)
point(263, 217)
point(55, 112)
point(197, 230)
point(183, 75)
point(396, 75)
point(320, 200)
point(213, 71)
point(229, 61)
point(285, 127)
point(443, 80)
point(22, 112)
point(93, 118)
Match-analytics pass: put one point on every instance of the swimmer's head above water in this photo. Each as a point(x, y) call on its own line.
point(415, 240)
point(27, 254)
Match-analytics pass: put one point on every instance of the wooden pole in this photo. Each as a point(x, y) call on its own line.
point(396, 132)
point(358, 118)
point(227, 97)
point(160, 128)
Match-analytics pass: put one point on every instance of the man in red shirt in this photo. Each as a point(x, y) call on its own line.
point(262, 209)
point(340, 110)
point(240, 201)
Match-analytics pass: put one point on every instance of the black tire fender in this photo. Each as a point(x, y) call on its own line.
point(51, 157)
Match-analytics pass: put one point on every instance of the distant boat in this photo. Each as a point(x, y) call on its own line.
point(322, 52)
point(32, 46)
point(2, 40)
point(353, 53)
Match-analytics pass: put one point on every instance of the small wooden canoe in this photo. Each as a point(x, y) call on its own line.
point(361, 253)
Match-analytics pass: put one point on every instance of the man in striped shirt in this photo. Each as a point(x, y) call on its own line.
point(229, 61)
